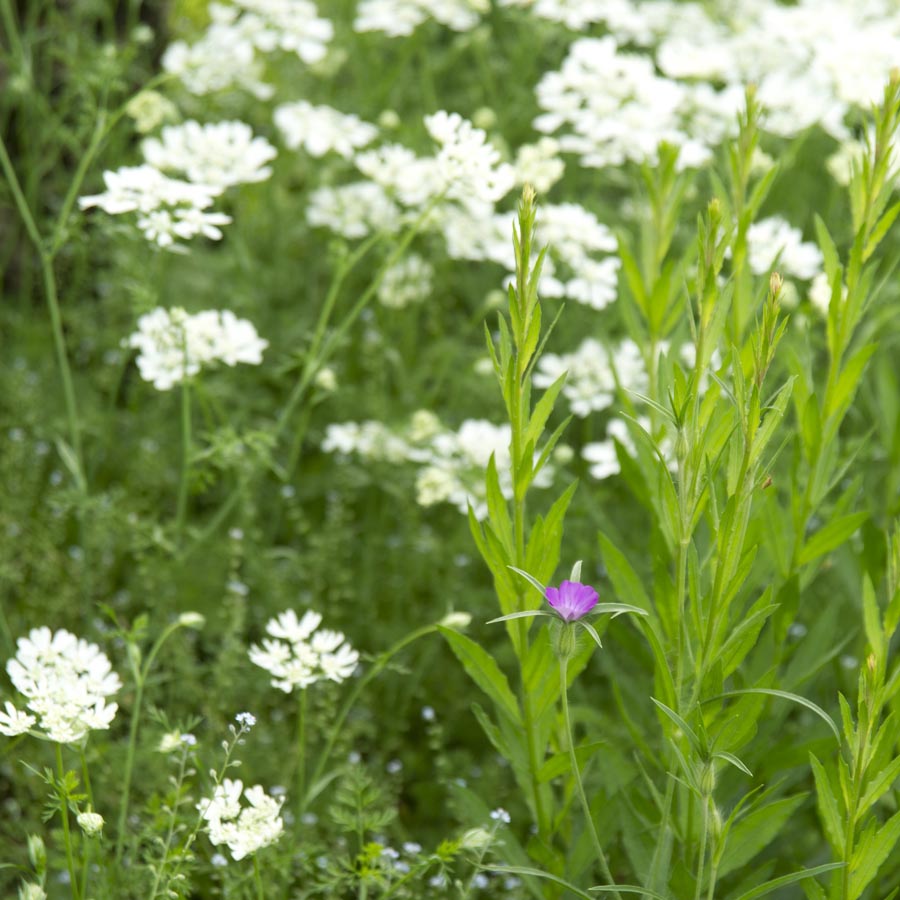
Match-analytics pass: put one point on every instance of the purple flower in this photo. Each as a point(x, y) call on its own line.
point(572, 600)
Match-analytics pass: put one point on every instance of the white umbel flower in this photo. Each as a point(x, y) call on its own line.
point(220, 154)
point(321, 129)
point(243, 828)
point(65, 682)
point(297, 655)
point(173, 345)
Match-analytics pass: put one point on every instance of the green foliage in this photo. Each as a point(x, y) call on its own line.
point(750, 530)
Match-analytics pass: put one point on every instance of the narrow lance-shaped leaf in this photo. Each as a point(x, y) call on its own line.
point(786, 695)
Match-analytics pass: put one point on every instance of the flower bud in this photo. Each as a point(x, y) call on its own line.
point(564, 639)
point(477, 839)
point(708, 778)
point(37, 853)
point(191, 620)
point(456, 621)
point(91, 823)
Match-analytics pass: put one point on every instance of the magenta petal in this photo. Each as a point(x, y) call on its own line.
point(572, 599)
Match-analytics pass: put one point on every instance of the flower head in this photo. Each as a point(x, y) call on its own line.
point(65, 682)
point(298, 655)
point(572, 600)
point(244, 828)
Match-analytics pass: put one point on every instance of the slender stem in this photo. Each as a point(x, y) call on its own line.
point(48, 277)
point(140, 675)
point(86, 777)
point(353, 696)
point(129, 765)
point(257, 877)
point(170, 832)
point(300, 761)
point(576, 774)
point(703, 838)
point(186, 453)
point(713, 876)
point(64, 812)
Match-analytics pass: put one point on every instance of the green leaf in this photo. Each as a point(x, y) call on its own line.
point(755, 831)
point(831, 535)
point(829, 811)
point(538, 873)
point(731, 758)
point(592, 632)
point(847, 382)
point(872, 621)
point(624, 579)
point(522, 614)
point(498, 510)
point(618, 609)
point(742, 638)
point(484, 671)
point(814, 891)
point(682, 725)
point(627, 889)
point(542, 410)
point(633, 276)
point(560, 763)
point(531, 580)
point(794, 877)
point(828, 248)
point(879, 785)
point(872, 850)
point(880, 230)
point(786, 695)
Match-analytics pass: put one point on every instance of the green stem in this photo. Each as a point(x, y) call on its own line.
point(186, 453)
point(300, 761)
point(170, 833)
point(576, 774)
point(140, 675)
point(64, 812)
point(48, 278)
point(257, 877)
point(703, 838)
point(353, 696)
point(129, 767)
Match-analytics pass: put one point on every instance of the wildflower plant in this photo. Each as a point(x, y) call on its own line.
point(248, 204)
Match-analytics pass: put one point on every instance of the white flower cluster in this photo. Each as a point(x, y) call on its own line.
point(354, 210)
point(173, 345)
point(594, 374)
point(775, 244)
point(468, 166)
point(65, 681)
point(298, 655)
point(408, 281)
point(321, 129)
point(465, 173)
point(812, 61)
point(617, 108)
point(213, 157)
point(219, 154)
point(226, 54)
point(452, 463)
point(243, 828)
point(168, 209)
point(397, 18)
